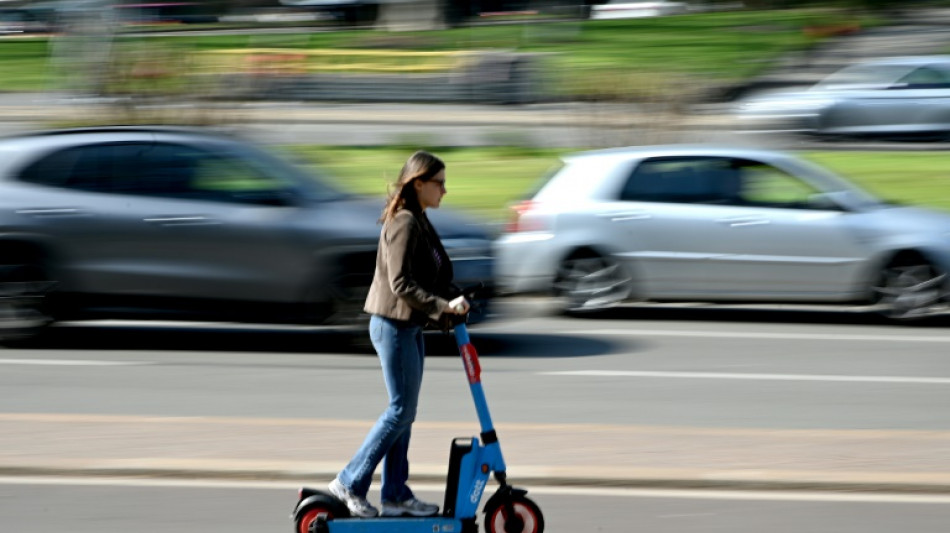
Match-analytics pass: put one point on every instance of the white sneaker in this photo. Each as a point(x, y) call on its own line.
point(410, 507)
point(357, 505)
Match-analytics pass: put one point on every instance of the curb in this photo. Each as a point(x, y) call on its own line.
point(758, 481)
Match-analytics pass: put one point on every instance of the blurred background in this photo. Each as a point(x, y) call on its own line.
point(188, 204)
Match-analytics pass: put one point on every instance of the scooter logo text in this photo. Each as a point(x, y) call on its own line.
point(476, 494)
point(472, 368)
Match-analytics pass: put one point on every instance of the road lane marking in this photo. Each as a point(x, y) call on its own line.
point(69, 362)
point(181, 324)
point(763, 335)
point(711, 494)
point(772, 377)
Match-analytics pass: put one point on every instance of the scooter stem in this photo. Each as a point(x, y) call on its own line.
point(474, 372)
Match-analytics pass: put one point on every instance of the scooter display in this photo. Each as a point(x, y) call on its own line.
point(471, 462)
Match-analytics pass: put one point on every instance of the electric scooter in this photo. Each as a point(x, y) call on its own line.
point(471, 461)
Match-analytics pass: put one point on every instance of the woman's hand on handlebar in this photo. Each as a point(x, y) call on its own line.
point(458, 306)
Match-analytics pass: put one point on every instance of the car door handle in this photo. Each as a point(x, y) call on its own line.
point(735, 222)
point(191, 220)
point(623, 216)
point(53, 212)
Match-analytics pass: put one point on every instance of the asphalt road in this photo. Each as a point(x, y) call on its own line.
point(638, 365)
point(642, 396)
point(123, 506)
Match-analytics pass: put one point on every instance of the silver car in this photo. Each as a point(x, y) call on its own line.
point(717, 224)
point(183, 224)
point(885, 97)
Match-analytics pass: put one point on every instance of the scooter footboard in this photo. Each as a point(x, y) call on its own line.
point(394, 525)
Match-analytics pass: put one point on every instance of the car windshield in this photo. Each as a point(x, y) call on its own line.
point(830, 182)
point(865, 75)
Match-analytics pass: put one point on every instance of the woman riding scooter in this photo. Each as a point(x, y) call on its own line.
point(413, 276)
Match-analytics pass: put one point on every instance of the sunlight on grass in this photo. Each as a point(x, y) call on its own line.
point(482, 181)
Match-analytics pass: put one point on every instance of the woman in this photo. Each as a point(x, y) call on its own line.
point(413, 273)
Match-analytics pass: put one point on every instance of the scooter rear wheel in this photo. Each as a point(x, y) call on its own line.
point(527, 519)
point(308, 516)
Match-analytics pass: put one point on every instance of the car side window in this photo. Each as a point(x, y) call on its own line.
point(689, 180)
point(763, 185)
point(53, 170)
point(228, 178)
point(716, 181)
point(924, 78)
point(160, 169)
point(196, 173)
point(94, 168)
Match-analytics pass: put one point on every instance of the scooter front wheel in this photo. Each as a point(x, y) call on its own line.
point(305, 522)
point(527, 517)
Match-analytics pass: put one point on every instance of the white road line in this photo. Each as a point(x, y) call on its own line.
point(763, 335)
point(773, 377)
point(69, 362)
point(180, 324)
point(767, 495)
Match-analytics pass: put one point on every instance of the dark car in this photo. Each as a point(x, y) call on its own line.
point(184, 224)
point(351, 12)
point(164, 13)
point(22, 20)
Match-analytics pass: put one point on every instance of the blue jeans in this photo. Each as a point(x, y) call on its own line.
point(401, 352)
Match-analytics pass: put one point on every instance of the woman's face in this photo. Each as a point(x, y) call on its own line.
point(430, 192)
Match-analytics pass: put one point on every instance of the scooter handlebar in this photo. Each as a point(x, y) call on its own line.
point(449, 321)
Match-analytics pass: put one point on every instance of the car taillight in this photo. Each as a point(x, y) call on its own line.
point(522, 219)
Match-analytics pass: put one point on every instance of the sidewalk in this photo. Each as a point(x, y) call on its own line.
point(46, 107)
point(566, 125)
point(313, 450)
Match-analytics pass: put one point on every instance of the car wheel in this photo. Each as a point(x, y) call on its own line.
point(910, 288)
point(23, 303)
point(589, 281)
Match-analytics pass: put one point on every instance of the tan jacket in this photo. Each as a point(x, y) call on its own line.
point(409, 283)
